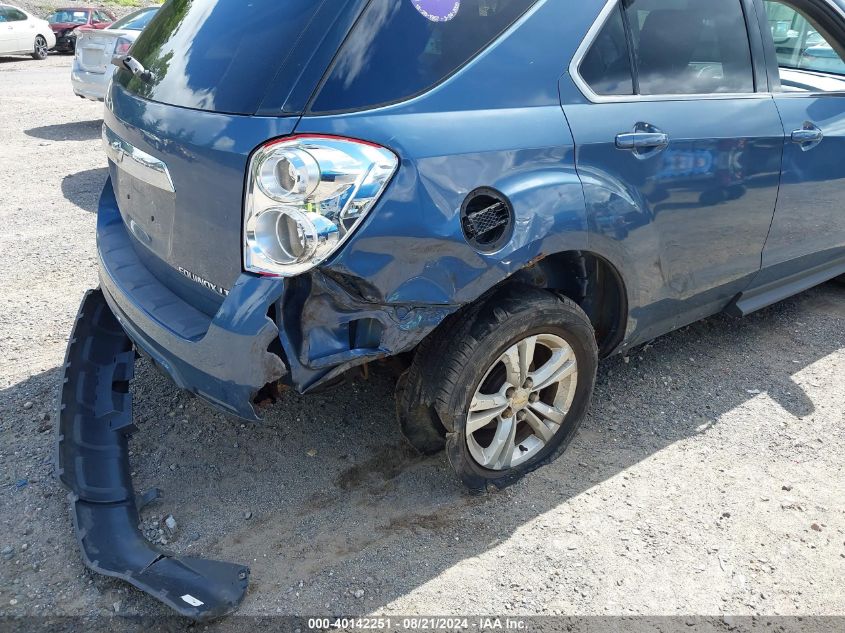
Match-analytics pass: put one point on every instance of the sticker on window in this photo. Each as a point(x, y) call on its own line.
point(438, 10)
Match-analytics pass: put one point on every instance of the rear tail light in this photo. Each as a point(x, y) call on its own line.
point(305, 196)
point(122, 46)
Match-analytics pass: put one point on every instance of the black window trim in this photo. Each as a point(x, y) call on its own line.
point(758, 66)
point(629, 42)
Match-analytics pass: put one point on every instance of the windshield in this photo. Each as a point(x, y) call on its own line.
point(135, 21)
point(69, 16)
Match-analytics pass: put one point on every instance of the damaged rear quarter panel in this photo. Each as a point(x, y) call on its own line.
point(409, 266)
point(318, 328)
point(496, 123)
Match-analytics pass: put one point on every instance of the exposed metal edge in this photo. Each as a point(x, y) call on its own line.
point(751, 301)
point(92, 460)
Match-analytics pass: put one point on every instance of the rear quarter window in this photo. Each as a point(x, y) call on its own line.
point(401, 48)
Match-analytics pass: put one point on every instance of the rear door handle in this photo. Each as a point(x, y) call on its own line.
point(808, 137)
point(642, 140)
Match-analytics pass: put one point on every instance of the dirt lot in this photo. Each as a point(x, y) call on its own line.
point(708, 478)
point(43, 8)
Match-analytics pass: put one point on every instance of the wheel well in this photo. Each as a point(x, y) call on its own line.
point(590, 281)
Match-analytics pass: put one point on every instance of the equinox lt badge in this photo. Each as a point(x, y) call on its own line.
point(204, 282)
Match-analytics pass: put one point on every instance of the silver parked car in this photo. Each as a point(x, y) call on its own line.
point(24, 34)
point(92, 67)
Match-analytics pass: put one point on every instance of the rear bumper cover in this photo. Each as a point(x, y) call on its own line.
point(89, 85)
point(224, 359)
point(92, 460)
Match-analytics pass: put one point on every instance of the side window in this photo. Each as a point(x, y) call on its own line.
point(690, 47)
point(606, 67)
point(680, 47)
point(3, 14)
point(400, 49)
point(14, 15)
point(800, 44)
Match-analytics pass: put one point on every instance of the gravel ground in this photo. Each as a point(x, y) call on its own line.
point(43, 8)
point(707, 478)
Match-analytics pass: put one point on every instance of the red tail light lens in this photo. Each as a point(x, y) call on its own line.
point(122, 46)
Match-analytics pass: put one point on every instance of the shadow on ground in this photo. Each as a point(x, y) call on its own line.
point(5, 59)
point(332, 493)
point(75, 131)
point(84, 188)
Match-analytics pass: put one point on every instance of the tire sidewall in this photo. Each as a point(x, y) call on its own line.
point(577, 331)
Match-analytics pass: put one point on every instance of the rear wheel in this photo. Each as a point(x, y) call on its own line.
point(39, 50)
point(512, 384)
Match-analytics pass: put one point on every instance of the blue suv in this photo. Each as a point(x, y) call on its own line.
point(498, 192)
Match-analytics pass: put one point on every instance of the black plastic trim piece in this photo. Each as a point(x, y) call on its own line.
point(487, 219)
point(92, 460)
point(769, 294)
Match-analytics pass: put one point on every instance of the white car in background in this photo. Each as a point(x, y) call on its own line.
point(92, 67)
point(24, 34)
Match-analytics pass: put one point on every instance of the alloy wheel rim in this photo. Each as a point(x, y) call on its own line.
point(40, 45)
point(522, 401)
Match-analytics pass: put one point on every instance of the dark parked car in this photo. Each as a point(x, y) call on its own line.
point(66, 22)
point(497, 193)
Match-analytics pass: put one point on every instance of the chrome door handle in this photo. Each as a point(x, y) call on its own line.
point(808, 137)
point(642, 140)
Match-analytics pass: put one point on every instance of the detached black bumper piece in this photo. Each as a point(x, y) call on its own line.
point(92, 459)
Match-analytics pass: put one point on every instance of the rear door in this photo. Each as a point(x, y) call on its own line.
point(679, 146)
point(23, 31)
point(808, 231)
point(7, 33)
